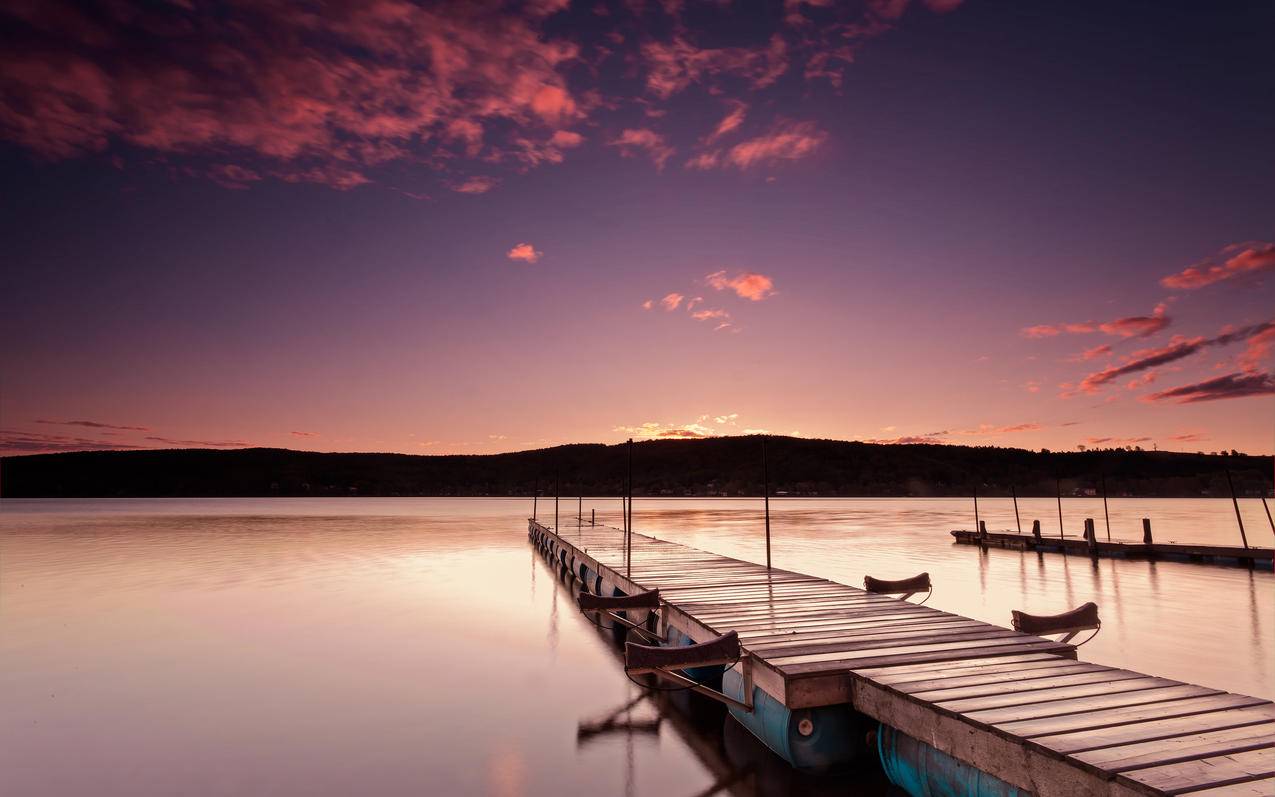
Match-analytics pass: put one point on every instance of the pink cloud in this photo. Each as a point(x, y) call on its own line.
point(1138, 326)
point(747, 285)
point(1176, 349)
point(1244, 259)
point(475, 185)
point(304, 434)
point(671, 301)
point(289, 91)
point(524, 252)
point(675, 65)
point(1101, 350)
point(648, 304)
point(787, 141)
point(730, 122)
point(633, 141)
point(708, 315)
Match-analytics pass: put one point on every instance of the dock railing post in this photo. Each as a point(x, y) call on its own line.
point(1105, 515)
point(1091, 536)
point(629, 536)
point(978, 524)
point(1036, 530)
point(1238, 518)
point(1146, 532)
point(1017, 520)
point(1058, 491)
point(982, 530)
point(765, 491)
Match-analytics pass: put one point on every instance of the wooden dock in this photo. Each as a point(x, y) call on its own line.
point(1259, 558)
point(1016, 706)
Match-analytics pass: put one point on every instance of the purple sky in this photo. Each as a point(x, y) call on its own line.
point(486, 227)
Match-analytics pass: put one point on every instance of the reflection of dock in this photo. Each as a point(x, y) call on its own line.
point(1261, 558)
point(1016, 706)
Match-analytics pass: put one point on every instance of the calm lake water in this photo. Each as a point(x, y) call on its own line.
point(395, 646)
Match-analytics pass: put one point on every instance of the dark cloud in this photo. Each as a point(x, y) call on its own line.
point(94, 425)
point(1175, 350)
point(1235, 385)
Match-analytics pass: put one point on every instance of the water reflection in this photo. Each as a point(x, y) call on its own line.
point(338, 646)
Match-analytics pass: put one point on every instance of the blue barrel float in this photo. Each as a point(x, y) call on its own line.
point(922, 770)
point(816, 739)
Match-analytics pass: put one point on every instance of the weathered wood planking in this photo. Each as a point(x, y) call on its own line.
point(1016, 706)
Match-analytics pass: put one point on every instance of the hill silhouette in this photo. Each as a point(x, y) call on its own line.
point(715, 466)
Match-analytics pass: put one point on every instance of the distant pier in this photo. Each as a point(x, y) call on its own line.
point(1089, 545)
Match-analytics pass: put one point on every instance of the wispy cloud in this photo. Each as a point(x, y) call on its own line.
point(1234, 385)
point(94, 425)
point(1234, 261)
point(14, 441)
point(671, 301)
point(524, 252)
point(304, 434)
point(1177, 349)
point(785, 141)
point(201, 443)
point(474, 185)
point(634, 141)
point(746, 284)
point(1135, 326)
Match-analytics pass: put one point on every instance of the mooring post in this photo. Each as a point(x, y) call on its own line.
point(1036, 530)
point(982, 530)
point(593, 517)
point(1014, 493)
point(1106, 516)
point(765, 491)
point(1146, 532)
point(1238, 518)
point(1091, 536)
point(628, 542)
point(1058, 491)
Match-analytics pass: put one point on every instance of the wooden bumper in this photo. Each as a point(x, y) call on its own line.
point(641, 600)
point(1078, 619)
point(918, 583)
point(644, 658)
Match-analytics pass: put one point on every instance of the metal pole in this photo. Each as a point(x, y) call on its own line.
point(629, 539)
point(977, 527)
point(1103, 476)
point(1236, 502)
point(1013, 492)
point(1268, 513)
point(765, 491)
point(557, 484)
point(580, 510)
point(1058, 492)
point(535, 498)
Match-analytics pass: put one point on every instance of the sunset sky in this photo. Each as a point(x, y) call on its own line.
point(471, 228)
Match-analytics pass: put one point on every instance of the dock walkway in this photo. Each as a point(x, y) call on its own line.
point(1016, 706)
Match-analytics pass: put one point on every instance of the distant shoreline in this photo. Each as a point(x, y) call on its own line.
point(726, 467)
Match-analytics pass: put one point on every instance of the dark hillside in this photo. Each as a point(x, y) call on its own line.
point(717, 466)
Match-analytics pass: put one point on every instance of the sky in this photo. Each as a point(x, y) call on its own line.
point(484, 227)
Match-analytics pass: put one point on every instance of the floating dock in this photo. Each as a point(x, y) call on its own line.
point(1258, 558)
point(1014, 706)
